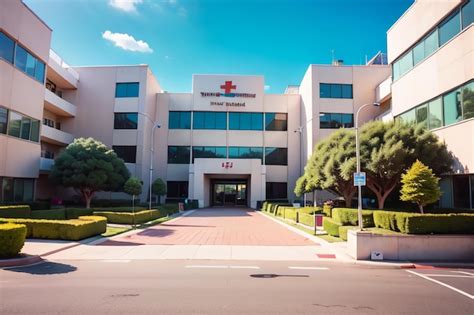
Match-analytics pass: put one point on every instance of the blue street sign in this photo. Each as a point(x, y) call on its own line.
point(359, 179)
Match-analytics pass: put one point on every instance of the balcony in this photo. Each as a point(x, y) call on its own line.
point(61, 73)
point(383, 90)
point(55, 136)
point(46, 164)
point(58, 106)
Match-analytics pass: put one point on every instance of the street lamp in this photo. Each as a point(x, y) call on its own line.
point(155, 125)
point(359, 187)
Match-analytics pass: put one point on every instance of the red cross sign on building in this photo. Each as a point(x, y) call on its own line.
point(227, 165)
point(228, 87)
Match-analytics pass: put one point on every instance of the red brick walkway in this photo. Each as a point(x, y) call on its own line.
point(216, 226)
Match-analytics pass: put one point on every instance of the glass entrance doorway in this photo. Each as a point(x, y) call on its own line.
point(229, 194)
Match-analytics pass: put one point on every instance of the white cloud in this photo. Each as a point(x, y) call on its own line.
point(127, 42)
point(266, 87)
point(129, 6)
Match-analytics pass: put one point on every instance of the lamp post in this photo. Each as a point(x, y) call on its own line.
point(359, 187)
point(155, 125)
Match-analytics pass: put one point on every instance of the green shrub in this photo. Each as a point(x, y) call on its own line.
point(168, 209)
point(347, 216)
point(118, 209)
point(12, 239)
point(192, 204)
point(343, 231)
point(74, 213)
point(72, 230)
point(306, 219)
point(327, 210)
point(16, 211)
point(331, 226)
point(386, 220)
point(311, 210)
point(290, 213)
point(53, 214)
point(128, 217)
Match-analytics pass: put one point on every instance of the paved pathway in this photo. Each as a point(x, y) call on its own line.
point(217, 226)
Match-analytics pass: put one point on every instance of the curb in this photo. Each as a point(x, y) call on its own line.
point(21, 261)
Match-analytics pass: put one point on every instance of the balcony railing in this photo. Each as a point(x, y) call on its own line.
point(58, 105)
point(383, 90)
point(55, 136)
point(46, 164)
point(53, 55)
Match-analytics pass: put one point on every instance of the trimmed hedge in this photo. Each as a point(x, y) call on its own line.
point(306, 219)
point(331, 226)
point(311, 210)
point(327, 210)
point(54, 214)
point(16, 211)
point(118, 209)
point(343, 231)
point(347, 216)
point(72, 230)
point(289, 213)
point(128, 217)
point(12, 239)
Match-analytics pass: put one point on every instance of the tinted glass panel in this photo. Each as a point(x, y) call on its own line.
point(30, 65)
point(18, 189)
point(276, 156)
point(121, 90)
point(419, 52)
point(468, 100)
point(7, 47)
point(449, 29)
point(336, 91)
point(179, 120)
point(133, 89)
point(209, 152)
point(35, 125)
point(178, 154)
point(210, 120)
point(125, 120)
point(221, 121)
point(28, 189)
point(174, 120)
point(276, 190)
point(127, 89)
point(25, 128)
point(39, 72)
point(8, 189)
point(176, 189)
point(245, 121)
point(14, 125)
point(246, 153)
point(409, 117)
point(126, 152)
point(468, 14)
point(347, 91)
point(431, 43)
point(257, 121)
point(461, 191)
point(406, 63)
point(20, 58)
point(276, 121)
point(3, 119)
point(324, 90)
point(435, 113)
point(234, 121)
point(347, 121)
point(324, 120)
point(452, 107)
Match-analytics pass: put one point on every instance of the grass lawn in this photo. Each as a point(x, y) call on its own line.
point(330, 239)
point(113, 230)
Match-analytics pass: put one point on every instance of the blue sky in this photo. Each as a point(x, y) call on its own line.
point(177, 38)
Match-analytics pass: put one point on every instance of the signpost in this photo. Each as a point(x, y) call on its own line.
point(359, 179)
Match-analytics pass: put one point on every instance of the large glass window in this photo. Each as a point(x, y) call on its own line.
point(20, 58)
point(39, 71)
point(178, 154)
point(29, 64)
point(276, 156)
point(406, 63)
point(419, 52)
point(276, 190)
point(125, 120)
point(246, 121)
point(7, 48)
point(35, 127)
point(175, 189)
point(210, 120)
point(246, 153)
point(3, 120)
point(25, 128)
point(14, 124)
point(435, 113)
point(324, 90)
point(276, 121)
point(346, 90)
point(467, 14)
point(335, 120)
point(209, 152)
point(422, 115)
point(128, 153)
point(461, 191)
point(449, 28)
point(452, 107)
point(409, 117)
point(127, 89)
point(335, 90)
point(179, 120)
point(431, 43)
point(468, 100)
point(17, 189)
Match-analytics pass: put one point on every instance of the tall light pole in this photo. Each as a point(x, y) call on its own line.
point(359, 187)
point(155, 125)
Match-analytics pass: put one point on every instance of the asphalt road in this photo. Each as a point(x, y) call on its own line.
point(224, 287)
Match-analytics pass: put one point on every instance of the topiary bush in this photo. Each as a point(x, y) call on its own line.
point(347, 216)
point(306, 219)
point(16, 211)
point(343, 231)
point(386, 220)
point(327, 210)
point(12, 239)
point(331, 226)
point(128, 217)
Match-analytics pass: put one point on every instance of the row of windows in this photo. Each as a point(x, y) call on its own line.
point(127, 89)
point(335, 120)
point(14, 53)
point(128, 153)
point(17, 125)
point(237, 121)
point(335, 90)
point(16, 189)
point(273, 156)
point(461, 18)
point(444, 110)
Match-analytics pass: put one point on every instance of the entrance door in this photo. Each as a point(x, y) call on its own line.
point(229, 194)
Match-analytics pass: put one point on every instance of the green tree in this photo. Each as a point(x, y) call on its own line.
point(300, 187)
point(133, 187)
point(158, 188)
point(88, 166)
point(420, 185)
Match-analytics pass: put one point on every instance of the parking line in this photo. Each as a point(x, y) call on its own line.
point(450, 276)
point(442, 283)
point(308, 268)
point(464, 272)
point(244, 267)
point(207, 266)
point(115, 261)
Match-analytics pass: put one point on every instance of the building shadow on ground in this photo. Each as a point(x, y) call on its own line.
point(44, 268)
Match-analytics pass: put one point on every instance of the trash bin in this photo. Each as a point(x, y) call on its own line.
point(318, 220)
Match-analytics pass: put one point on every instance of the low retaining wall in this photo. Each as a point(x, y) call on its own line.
point(411, 247)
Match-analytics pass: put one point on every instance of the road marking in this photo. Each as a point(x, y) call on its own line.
point(464, 272)
point(308, 268)
point(244, 267)
point(115, 261)
point(207, 266)
point(442, 283)
point(451, 276)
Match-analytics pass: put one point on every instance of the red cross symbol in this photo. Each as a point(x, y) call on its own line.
point(228, 87)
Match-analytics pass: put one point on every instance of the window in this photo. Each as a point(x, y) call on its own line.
point(17, 189)
point(431, 43)
point(246, 121)
point(176, 189)
point(39, 71)
point(276, 121)
point(276, 156)
point(7, 47)
point(125, 120)
point(449, 28)
point(335, 120)
point(276, 190)
point(178, 154)
point(210, 120)
point(14, 124)
point(25, 128)
point(467, 13)
point(246, 153)
point(419, 52)
point(126, 152)
point(468, 100)
point(127, 89)
point(452, 107)
point(435, 113)
point(331, 90)
point(409, 117)
point(209, 152)
point(35, 127)
point(179, 120)
point(3, 119)
point(422, 115)
point(406, 63)
point(29, 64)
point(461, 191)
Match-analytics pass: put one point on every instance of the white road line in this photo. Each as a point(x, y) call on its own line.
point(207, 266)
point(309, 268)
point(450, 276)
point(464, 272)
point(115, 261)
point(443, 284)
point(244, 267)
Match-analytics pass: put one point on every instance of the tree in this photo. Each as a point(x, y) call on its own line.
point(88, 166)
point(133, 187)
point(158, 188)
point(420, 185)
